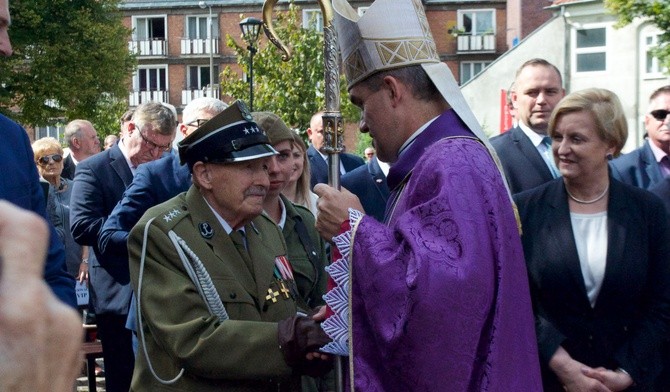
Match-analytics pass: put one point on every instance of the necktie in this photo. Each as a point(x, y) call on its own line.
point(549, 157)
point(238, 237)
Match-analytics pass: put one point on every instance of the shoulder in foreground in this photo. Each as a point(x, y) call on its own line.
point(501, 138)
point(537, 193)
point(627, 159)
point(642, 197)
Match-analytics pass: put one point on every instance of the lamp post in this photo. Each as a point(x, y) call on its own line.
point(210, 38)
point(251, 27)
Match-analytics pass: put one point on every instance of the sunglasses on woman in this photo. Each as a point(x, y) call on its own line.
point(53, 157)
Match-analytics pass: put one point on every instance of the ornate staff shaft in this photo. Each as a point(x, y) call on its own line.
point(332, 118)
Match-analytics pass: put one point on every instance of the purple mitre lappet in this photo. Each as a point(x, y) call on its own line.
point(436, 298)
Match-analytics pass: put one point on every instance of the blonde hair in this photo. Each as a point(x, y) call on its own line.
point(606, 110)
point(303, 184)
point(46, 145)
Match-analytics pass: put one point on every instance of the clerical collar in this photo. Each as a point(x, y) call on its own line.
point(416, 134)
point(534, 137)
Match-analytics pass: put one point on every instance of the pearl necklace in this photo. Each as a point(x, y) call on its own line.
point(580, 201)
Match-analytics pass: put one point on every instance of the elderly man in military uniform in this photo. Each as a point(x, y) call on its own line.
point(214, 287)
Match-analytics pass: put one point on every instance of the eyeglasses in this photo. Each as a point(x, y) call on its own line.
point(660, 114)
point(153, 145)
point(197, 123)
point(43, 161)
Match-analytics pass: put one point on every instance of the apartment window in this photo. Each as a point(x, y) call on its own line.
point(312, 19)
point(151, 78)
point(652, 66)
point(197, 27)
point(198, 77)
point(590, 50)
point(476, 22)
point(150, 28)
point(55, 131)
point(471, 68)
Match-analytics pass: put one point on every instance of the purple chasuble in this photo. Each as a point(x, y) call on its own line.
point(440, 298)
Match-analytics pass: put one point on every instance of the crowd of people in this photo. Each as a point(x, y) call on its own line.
point(538, 260)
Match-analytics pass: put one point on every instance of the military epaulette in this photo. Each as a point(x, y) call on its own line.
point(168, 214)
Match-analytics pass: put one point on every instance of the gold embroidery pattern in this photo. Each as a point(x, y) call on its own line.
point(354, 66)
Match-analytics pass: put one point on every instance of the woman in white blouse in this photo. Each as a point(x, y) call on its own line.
point(598, 257)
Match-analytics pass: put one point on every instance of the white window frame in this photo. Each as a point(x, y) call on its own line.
point(656, 70)
point(471, 65)
point(215, 26)
point(144, 68)
point(461, 26)
point(201, 71)
point(590, 50)
point(308, 14)
point(135, 30)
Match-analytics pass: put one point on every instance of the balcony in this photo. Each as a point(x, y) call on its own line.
point(199, 46)
point(188, 95)
point(139, 97)
point(149, 47)
point(482, 43)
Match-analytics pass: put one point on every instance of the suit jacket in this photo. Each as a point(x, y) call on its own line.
point(20, 185)
point(630, 318)
point(239, 354)
point(638, 168)
point(523, 165)
point(98, 185)
point(154, 182)
point(319, 167)
point(662, 190)
point(68, 167)
point(368, 182)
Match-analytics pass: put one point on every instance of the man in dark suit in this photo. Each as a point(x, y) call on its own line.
point(525, 150)
point(83, 142)
point(649, 164)
point(368, 182)
point(318, 161)
point(98, 186)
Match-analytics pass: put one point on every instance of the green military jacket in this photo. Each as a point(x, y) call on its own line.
point(310, 277)
point(239, 354)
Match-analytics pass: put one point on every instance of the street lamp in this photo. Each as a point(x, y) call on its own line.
point(210, 38)
point(251, 27)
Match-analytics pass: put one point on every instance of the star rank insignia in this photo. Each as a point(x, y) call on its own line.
point(171, 215)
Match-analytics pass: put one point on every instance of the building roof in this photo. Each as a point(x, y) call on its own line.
point(157, 4)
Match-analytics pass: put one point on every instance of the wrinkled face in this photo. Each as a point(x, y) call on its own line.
point(280, 168)
point(5, 43)
point(315, 133)
point(239, 189)
point(146, 145)
point(658, 129)
point(578, 149)
point(90, 144)
point(537, 91)
point(50, 164)
point(377, 119)
point(298, 161)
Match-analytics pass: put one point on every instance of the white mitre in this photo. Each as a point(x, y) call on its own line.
point(394, 34)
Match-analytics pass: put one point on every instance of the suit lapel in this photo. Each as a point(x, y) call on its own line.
point(378, 178)
point(120, 165)
point(528, 150)
point(651, 167)
point(617, 216)
point(559, 222)
point(220, 242)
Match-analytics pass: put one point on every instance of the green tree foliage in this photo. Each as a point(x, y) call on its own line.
point(70, 60)
point(656, 11)
point(293, 89)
